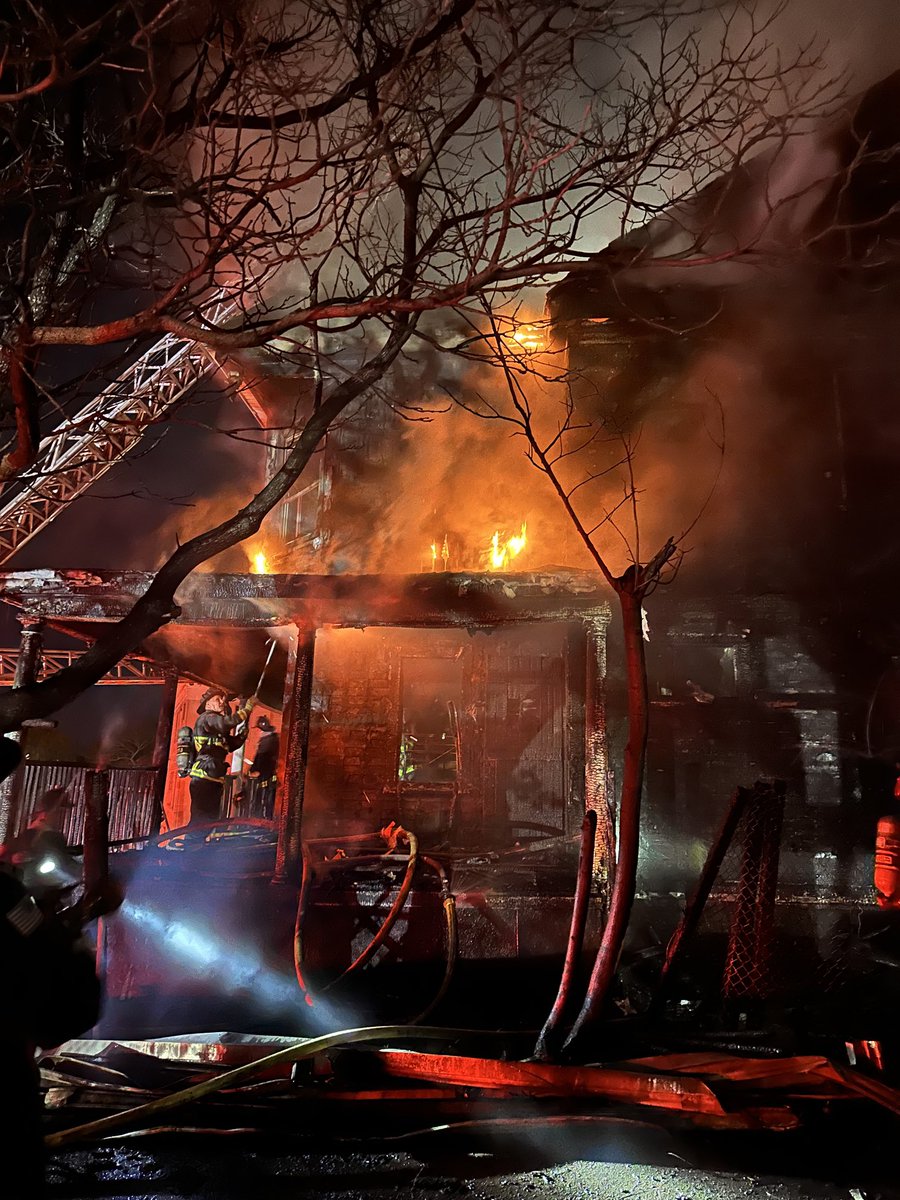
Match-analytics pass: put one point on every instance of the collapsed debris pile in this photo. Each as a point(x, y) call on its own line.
point(137, 1085)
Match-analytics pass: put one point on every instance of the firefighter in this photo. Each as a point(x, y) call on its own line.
point(217, 733)
point(264, 766)
point(49, 992)
point(43, 835)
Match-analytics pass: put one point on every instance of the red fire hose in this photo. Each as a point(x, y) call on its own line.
point(386, 925)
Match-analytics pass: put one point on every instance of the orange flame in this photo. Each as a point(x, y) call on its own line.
point(502, 553)
point(260, 564)
point(443, 551)
point(528, 338)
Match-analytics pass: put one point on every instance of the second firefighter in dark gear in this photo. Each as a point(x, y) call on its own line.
point(264, 766)
point(43, 837)
point(217, 733)
point(50, 992)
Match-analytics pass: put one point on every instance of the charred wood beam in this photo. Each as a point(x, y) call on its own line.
point(294, 753)
point(96, 832)
point(596, 755)
point(162, 742)
point(574, 723)
point(462, 599)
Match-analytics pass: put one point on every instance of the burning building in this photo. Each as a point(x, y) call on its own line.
point(469, 698)
point(748, 335)
point(467, 708)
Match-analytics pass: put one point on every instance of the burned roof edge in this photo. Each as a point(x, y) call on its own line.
point(432, 599)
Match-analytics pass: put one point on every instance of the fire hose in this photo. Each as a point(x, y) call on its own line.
point(392, 835)
point(300, 1050)
point(390, 920)
point(452, 938)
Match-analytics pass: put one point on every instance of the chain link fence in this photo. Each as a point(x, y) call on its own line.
point(750, 957)
point(739, 942)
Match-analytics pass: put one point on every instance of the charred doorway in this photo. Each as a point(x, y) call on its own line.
point(472, 740)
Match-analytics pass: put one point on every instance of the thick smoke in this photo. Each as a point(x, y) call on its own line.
point(453, 478)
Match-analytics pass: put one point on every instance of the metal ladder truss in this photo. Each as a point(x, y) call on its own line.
point(128, 672)
point(84, 447)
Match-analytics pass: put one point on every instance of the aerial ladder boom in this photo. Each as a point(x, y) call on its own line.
point(81, 449)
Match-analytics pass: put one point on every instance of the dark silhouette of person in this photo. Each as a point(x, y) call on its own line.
point(49, 992)
point(265, 766)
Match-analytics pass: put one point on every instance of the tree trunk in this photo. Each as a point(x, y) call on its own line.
point(547, 1043)
point(630, 595)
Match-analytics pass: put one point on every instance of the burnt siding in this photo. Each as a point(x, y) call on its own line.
point(520, 705)
point(774, 652)
point(353, 734)
point(741, 691)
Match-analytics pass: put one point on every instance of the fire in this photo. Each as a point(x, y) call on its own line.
point(502, 550)
point(502, 553)
point(443, 551)
point(528, 338)
point(260, 564)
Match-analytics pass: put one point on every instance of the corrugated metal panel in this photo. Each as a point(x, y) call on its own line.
point(131, 806)
point(37, 778)
point(132, 812)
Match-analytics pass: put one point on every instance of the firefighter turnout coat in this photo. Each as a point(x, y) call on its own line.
point(215, 737)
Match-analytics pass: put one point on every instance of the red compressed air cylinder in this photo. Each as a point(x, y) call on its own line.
point(887, 861)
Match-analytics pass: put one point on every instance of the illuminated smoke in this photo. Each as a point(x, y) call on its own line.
point(192, 946)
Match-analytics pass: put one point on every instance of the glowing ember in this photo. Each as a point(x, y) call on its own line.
point(260, 565)
point(502, 552)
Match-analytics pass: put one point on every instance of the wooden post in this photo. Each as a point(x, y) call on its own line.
point(293, 752)
point(574, 727)
point(596, 754)
point(28, 667)
point(162, 745)
point(630, 592)
point(96, 831)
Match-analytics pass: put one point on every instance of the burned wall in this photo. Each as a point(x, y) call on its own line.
point(472, 740)
point(772, 652)
point(354, 730)
point(738, 693)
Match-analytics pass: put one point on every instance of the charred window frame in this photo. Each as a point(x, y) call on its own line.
point(409, 775)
